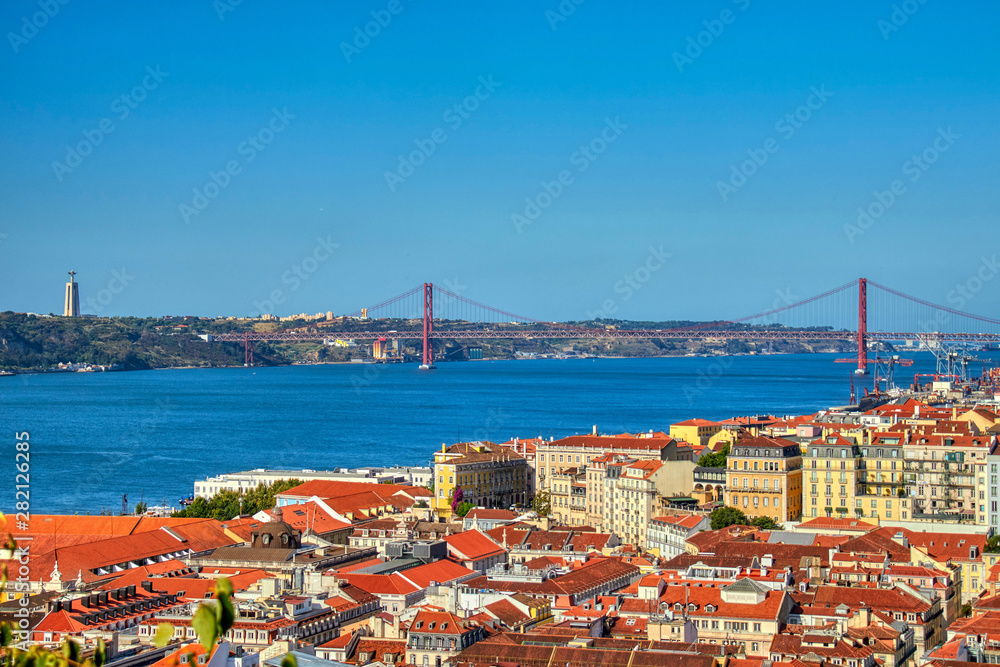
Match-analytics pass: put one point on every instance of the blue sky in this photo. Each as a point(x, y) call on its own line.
point(665, 133)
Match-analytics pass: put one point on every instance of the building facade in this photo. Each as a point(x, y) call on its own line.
point(764, 478)
point(490, 476)
point(667, 535)
point(636, 494)
point(833, 466)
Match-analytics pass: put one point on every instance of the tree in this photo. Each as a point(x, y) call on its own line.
point(226, 503)
point(463, 508)
point(715, 459)
point(728, 516)
point(766, 523)
point(542, 503)
point(140, 508)
point(456, 498)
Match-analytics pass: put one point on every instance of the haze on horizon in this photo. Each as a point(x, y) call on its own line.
point(197, 156)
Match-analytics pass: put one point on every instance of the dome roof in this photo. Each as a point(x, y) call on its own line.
point(276, 534)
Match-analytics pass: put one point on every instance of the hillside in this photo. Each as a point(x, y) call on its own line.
point(31, 342)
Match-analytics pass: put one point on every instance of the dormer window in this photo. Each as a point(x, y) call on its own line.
point(678, 606)
point(710, 608)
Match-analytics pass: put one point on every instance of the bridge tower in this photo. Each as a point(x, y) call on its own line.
point(428, 326)
point(862, 327)
point(247, 350)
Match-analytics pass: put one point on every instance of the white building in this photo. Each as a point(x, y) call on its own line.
point(251, 479)
point(669, 534)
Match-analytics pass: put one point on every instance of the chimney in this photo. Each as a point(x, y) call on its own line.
point(147, 586)
point(594, 432)
point(103, 598)
point(85, 601)
point(131, 591)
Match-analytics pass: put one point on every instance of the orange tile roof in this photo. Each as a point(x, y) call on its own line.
point(439, 622)
point(441, 571)
point(310, 516)
point(473, 545)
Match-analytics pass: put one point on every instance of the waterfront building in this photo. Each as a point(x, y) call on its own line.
point(489, 474)
point(764, 478)
point(72, 304)
point(247, 480)
point(833, 468)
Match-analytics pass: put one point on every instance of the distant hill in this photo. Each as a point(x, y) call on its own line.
point(31, 342)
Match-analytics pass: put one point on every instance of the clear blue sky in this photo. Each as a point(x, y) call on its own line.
point(656, 184)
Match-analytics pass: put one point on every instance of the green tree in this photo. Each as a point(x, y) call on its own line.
point(715, 459)
point(463, 508)
point(542, 503)
point(766, 523)
point(226, 504)
point(140, 508)
point(728, 516)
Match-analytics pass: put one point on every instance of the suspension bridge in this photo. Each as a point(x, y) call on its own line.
point(861, 312)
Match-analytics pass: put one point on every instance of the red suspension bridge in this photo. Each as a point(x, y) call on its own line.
point(882, 315)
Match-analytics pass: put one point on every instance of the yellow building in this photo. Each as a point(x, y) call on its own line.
point(490, 475)
point(882, 485)
point(695, 431)
point(568, 496)
point(833, 469)
point(764, 478)
point(725, 436)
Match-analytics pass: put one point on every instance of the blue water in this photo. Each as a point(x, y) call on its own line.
point(96, 436)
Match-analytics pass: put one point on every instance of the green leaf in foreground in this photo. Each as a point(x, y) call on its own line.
point(164, 633)
point(206, 624)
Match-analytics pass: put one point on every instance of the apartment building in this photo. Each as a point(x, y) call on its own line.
point(635, 496)
point(568, 496)
point(580, 450)
point(764, 478)
point(667, 535)
point(882, 485)
point(596, 483)
point(948, 466)
point(833, 467)
point(695, 431)
point(489, 474)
